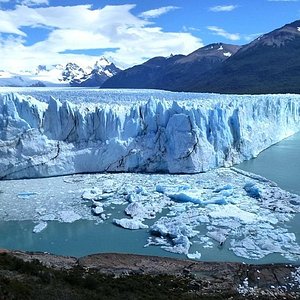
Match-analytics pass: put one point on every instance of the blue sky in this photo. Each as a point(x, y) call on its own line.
point(50, 32)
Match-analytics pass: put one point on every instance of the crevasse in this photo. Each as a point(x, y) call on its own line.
point(40, 139)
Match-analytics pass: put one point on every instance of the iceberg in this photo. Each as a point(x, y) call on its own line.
point(39, 139)
point(39, 227)
point(132, 224)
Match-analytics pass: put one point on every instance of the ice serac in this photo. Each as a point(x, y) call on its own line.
point(45, 139)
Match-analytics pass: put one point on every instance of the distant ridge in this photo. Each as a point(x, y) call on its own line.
point(70, 74)
point(269, 64)
point(175, 72)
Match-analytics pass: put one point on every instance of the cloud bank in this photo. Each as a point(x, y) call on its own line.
point(124, 37)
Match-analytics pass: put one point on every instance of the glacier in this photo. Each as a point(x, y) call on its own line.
point(39, 139)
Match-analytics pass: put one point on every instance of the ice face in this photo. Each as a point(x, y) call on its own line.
point(45, 139)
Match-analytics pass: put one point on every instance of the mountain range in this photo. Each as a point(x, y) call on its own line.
point(58, 75)
point(269, 64)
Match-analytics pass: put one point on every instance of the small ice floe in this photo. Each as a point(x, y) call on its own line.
point(68, 216)
point(26, 195)
point(96, 194)
point(185, 193)
point(132, 224)
point(196, 255)
point(176, 231)
point(39, 227)
point(181, 245)
point(135, 209)
point(141, 190)
point(156, 241)
point(252, 190)
point(142, 211)
point(219, 235)
point(97, 210)
point(234, 212)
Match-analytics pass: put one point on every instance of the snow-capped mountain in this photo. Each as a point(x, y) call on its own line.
point(58, 75)
point(174, 72)
point(101, 71)
point(269, 64)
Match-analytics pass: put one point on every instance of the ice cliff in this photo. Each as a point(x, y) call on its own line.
point(40, 139)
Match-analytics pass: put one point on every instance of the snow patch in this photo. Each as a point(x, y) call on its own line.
point(227, 54)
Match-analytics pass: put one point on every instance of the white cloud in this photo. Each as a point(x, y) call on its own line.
point(155, 13)
point(251, 37)
point(221, 32)
point(82, 28)
point(219, 8)
point(187, 29)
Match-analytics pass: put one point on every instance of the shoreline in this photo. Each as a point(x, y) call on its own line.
point(277, 281)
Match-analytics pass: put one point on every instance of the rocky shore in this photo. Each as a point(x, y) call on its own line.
point(144, 275)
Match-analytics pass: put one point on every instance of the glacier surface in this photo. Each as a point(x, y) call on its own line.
point(39, 139)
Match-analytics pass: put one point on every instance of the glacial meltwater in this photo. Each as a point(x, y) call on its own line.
point(207, 216)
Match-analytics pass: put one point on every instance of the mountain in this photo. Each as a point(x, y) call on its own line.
point(58, 75)
point(269, 64)
point(101, 71)
point(174, 72)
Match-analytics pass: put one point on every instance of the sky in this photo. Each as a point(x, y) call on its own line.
point(128, 32)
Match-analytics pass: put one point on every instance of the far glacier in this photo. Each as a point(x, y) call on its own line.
point(39, 139)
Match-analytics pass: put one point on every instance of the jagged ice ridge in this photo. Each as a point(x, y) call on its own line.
point(40, 139)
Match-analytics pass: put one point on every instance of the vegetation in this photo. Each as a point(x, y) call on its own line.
point(31, 280)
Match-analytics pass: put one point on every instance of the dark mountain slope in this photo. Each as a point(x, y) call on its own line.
point(173, 73)
point(269, 64)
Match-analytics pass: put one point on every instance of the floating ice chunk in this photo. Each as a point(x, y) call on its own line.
point(96, 194)
point(157, 241)
point(25, 195)
point(218, 235)
point(176, 231)
point(69, 216)
point(232, 211)
point(252, 190)
point(141, 190)
point(97, 210)
point(188, 196)
point(91, 194)
point(181, 245)
point(223, 188)
point(132, 224)
point(135, 209)
point(295, 202)
point(39, 227)
point(160, 189)
point(196, 255)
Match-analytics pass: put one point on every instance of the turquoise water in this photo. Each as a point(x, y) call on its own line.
point(279, 163)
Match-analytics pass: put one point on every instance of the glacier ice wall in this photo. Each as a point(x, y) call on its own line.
point(40, 139)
